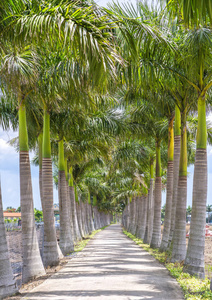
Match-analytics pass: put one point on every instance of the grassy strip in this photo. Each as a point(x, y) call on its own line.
point(193, 288)
point(81, 244)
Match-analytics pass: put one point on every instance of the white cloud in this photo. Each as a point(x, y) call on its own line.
point(9, 172)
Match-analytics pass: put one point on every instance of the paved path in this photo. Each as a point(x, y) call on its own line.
point(111, 267)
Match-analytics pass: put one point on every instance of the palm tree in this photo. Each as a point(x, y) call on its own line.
point(199, 41)
point(197, 15)
point(18, 72)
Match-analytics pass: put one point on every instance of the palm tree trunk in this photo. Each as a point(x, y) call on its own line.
point(89, 215)
point(32, 263)
point(79, 213)
point(83, 216)
point(99, 220)
point(177, 147)
point(194, 263)
point(40, 144)
point(95, 212)
point(132, 216)
point(8, 285)
point(74, 238)
point(139, 209)
point(179, 238)
point(128, 214)
point(145, 240)
point(142, 217)
point(66, 241)
point(150, 214)
point(169, 190)
point(156, 234)
point(73, 206)
point(74, 214)
point(52, 252)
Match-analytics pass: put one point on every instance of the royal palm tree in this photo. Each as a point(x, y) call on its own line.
point(18, 72)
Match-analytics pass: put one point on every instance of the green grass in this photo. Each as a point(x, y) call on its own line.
point(193, 287)
point(81, 244)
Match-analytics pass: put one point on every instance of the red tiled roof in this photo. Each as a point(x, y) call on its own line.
point(12, 214)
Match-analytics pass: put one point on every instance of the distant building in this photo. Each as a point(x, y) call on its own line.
point(11, 215)
point(56, 212)
point(188, 219)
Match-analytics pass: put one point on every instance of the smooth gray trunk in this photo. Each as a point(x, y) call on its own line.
point(179, 238)
point(90, 219)
point(132, 216)
point(194, 262)
point(150, 213)
point(52, 252)
point(168, 211)
point(177, 145)
point(79, 218)
point(156, 234)
point(32, 263)
point(74, 238)
point(74, 214)
point(142, 217)
point(128, 215)
point(66, 241)
point(8, 285)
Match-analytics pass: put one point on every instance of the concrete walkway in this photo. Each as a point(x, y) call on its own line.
point(111, 267)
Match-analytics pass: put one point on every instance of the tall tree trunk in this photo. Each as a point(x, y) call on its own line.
point(52, 252)
point(66, 241)
point(95, 212)
point(40, 144)
point(139, 208)
point(150, 214)
point(177, 143)
point(143, 217)
point(79, 213)
point(8, 285)
point(82, 210)
point(128, 214)
point(73, 206)
point(74, 237)
point(179, 238)
point(156, 234)
point(194, 263)
point(32, 263)
point(145, 240)
point(89, 212)
point(169, 189)
point(132, 216)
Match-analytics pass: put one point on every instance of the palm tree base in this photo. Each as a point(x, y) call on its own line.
point(32, 263)
point(194, 270)
point(164, 246)
point(194, 263)
point(8, 285)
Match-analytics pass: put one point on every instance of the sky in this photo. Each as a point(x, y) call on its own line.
point(9, 173)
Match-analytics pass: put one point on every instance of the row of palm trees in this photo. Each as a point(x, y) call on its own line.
point(111, 98)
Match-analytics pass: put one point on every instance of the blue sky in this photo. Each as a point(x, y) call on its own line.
point(9, 172)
